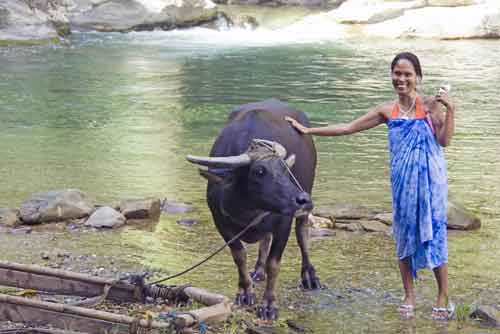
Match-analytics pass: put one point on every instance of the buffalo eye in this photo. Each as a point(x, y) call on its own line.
point(260, 171)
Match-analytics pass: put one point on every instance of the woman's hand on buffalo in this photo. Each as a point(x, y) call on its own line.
point(302, 129)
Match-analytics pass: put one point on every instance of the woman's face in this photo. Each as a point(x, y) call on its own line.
point(404, 77)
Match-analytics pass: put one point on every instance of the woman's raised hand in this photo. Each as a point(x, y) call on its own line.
point(443, 97)
point(302, 129)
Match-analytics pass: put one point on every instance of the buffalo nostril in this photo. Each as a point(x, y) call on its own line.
point(303, 199)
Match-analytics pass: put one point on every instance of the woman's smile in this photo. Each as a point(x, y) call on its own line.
point(404, 78)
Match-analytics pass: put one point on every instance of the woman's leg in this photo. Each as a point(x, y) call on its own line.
point(441, 274)
point(406, 276)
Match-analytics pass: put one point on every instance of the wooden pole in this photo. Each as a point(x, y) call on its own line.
point(66, 282)
point(210, 314)
point(34, 269)
point(81, 311)
point(204, 297)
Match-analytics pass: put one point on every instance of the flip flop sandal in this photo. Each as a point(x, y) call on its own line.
point(406, 310)
point(443, 313)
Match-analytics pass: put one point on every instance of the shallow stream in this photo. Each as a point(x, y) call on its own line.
point(115, 114)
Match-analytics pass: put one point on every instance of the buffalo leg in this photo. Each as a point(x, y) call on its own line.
point(258, 274)
point(308, 273)
point(268, 310)
point(245, 295)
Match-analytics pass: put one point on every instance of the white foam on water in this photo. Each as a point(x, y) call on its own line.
point(309, 30)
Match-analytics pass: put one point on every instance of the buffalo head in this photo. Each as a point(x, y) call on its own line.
point(261, 175)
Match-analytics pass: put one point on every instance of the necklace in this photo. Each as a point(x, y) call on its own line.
point(405, 113)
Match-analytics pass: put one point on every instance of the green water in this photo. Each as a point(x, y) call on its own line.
point(114, 115)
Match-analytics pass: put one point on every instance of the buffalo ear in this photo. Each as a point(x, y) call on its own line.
point(211, 177)
point(217, 175)
point(290, 161)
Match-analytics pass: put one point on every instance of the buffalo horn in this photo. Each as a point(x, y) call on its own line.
point(231, 162)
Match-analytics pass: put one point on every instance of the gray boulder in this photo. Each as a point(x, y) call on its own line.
point(24, 24)
point(475, 21)
point(384, 217)
point(129, 15)
point(106, 217)
point(460, 219)
point(147, 208)
point(375, 226)
point(114, 15)
point(488, 315)
point(185, 13)
point(244, 22)
point(9, 217)
point(36, 21)
point(55, 205)
point(352, 227)
point(317, 222)
point(373, 11)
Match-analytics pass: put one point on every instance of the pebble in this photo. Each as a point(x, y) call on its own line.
point(187, 221)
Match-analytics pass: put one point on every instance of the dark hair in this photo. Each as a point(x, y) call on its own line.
point(411, 58)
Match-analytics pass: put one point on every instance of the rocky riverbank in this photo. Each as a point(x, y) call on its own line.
point(44, 21)
point(73, 208)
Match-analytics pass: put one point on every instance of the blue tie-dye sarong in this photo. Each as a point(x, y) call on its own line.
point(419, 193)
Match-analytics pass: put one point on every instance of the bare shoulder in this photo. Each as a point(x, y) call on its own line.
point(385, 109)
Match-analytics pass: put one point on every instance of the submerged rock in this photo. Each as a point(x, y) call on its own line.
point(187, 221)
point(55, 205)
point(321, 232)
point(174, 207)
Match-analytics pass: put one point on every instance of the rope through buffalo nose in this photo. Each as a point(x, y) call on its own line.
point(291, 174)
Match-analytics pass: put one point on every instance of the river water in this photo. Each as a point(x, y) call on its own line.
point(115, 114)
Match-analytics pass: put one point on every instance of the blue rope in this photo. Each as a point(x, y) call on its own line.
point(203, 327)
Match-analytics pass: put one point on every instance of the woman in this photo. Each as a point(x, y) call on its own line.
point(418, 127)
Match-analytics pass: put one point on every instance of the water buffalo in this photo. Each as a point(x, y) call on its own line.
point(247, 174)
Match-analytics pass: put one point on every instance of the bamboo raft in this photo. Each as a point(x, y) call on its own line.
point(82, 319)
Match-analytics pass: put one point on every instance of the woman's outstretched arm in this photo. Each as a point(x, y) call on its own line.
point(367, 121)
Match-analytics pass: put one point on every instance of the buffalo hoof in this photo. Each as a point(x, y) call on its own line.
point(267, 313)
point(258, 275)
point(309, 280)
point(244, 299)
